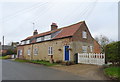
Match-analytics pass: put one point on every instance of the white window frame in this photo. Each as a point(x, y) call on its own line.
point(39, 39)
point(47, 37)
point(50, 50)
point(23, 42)
point(84, 34)
point(28, 51)
point(27, 41)
point(20, 52)
point(91, 48)
point(84, 49)
point(36, 51)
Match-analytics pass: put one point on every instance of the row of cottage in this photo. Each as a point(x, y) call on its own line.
point(59, 44)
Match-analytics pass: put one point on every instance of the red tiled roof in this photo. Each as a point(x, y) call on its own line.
point(65, 32)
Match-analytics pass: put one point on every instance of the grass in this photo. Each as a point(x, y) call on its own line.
point(113, 72)
point(19, 60)
point(47, 63)
point(5, 57)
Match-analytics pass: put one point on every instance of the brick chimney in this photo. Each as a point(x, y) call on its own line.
point(54, 26)
point(35, 32)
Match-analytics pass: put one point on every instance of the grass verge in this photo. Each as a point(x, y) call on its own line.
point(5, 57)
point(46, 63)
point(112, 72)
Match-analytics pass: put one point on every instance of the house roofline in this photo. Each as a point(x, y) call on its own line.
point(45, 41)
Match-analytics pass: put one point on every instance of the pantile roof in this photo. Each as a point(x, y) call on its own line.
point(65, 32)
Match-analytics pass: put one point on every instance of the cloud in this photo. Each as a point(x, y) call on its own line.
point(19, 16)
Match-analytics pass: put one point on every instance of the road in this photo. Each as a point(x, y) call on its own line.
point(12, 70)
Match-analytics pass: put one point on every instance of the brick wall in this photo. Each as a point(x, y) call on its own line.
point(97, 47)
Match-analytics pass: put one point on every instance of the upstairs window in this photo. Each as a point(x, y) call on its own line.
point(27, 41)
point(39, 39)
point(50, 50)
point(47, 37)
point(84, 34)
point(84, 49)
point(23, 42)
point(36, 51)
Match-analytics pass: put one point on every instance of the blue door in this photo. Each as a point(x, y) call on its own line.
point(66, 51)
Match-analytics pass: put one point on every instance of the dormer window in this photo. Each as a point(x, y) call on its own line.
point(23, 42)
point(84, 34)
point(47, 37)
point(39, 39)
point(27, 41)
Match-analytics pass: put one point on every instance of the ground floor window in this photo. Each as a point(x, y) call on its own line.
point(35, 51)
point(19, 52)
point(28, 52)
point(84, 49)
point(50, 50)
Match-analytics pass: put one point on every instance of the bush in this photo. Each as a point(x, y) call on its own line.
point(112, 52)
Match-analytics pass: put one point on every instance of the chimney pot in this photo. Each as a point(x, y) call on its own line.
point(54, 26)
point(35, 32)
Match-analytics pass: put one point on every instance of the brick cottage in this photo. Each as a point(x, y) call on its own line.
point(59, 44)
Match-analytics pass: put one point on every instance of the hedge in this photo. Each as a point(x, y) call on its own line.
point(112, 52)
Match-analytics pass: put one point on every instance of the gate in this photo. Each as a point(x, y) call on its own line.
point(91, 58)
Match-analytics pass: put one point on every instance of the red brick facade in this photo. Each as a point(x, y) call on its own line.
point(97, 47)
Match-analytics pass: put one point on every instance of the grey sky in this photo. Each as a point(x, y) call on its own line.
point(16, 18)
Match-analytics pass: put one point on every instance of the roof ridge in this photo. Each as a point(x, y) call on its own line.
point(54, 30)
point(73, 24)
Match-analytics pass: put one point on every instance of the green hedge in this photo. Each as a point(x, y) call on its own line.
point(112, 52)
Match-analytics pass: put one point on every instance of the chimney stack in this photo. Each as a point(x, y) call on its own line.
point(54, 26)
point(35, 32)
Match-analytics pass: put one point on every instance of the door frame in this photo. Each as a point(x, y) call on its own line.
point(64, 53)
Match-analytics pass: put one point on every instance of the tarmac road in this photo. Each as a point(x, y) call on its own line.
point(12, 70)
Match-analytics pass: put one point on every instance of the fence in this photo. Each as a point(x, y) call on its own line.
point(91, 58)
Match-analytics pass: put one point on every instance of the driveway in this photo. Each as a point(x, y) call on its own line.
point(25, 71)
point(94, 72)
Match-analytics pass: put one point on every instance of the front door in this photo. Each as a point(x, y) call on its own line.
point(66, 53)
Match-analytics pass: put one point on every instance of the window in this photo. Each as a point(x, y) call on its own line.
point(84, 49)
point(84, 34)
point(39, 39)
point(27, 41)
point(23, 42)
point(47, 37)
point(91, 48)
point(28, 52)
point(35, 51)
point(19, 52)
point(50, 51)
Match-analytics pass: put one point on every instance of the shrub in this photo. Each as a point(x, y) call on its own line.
point(112, 52)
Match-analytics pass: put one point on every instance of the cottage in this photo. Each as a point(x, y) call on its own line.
point(59, 44)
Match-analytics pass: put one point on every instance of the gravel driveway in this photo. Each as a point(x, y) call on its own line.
point(93, 72)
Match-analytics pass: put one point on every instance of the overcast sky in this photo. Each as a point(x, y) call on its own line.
point(16, 18)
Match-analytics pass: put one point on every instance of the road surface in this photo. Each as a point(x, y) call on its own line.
point(12, 70)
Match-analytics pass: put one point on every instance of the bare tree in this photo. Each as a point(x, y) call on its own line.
point(103, 41)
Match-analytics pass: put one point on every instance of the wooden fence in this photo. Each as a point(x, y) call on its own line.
point(91, 58)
